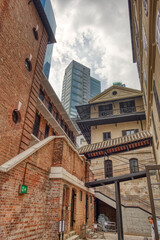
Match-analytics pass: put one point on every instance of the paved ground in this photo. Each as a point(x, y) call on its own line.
point(113, 236)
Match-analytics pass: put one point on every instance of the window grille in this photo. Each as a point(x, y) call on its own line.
point(127, 107)
point(105, 110)
point(129, 132)
point(133, 163)
point(106, 136)
point(108, 169)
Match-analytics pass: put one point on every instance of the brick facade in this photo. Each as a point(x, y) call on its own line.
point(17, 43)
point(20, 87)
point(35, 215)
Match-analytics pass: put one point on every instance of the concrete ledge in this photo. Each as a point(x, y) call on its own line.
point(61, 173)
point(22, 156)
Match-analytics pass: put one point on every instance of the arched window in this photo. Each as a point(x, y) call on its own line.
point(108, 169)
point(133, 163)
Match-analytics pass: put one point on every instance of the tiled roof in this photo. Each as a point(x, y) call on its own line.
point(137, 139)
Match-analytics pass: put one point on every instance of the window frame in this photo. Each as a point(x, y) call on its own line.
point(133, 166)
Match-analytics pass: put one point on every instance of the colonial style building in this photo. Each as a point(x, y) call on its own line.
point(114, 120)
point(42, 175)
point(145, 36)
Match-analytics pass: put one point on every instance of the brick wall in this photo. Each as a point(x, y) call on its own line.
point(36, 214)
point(17, 43)
point(23, 216)
point(68, 158)
point(31, 108)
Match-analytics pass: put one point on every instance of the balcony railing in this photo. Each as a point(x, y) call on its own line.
point(113, 112)
point(128, 110)
point(105, 113)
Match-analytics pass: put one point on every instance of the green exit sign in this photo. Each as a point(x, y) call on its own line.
point(23, 189)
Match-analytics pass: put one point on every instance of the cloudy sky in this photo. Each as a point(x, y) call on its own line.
point(95, 33)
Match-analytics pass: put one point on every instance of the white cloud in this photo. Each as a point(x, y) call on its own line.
point(96, 34)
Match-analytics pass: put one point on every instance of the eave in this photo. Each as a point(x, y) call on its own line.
point(117, 145)
point(85, 125)
point(44, 19)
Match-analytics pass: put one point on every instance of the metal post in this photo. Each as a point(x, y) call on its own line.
point(152, 202)
point(118, 211)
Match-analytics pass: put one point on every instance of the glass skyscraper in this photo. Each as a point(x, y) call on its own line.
point(95, 87)
point(51, 19)
point(78, 87)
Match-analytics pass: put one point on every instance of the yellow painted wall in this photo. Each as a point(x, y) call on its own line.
point(116, 107)
point(116, 130)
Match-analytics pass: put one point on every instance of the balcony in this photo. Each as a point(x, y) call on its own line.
point(92, 117)
point(87, 115)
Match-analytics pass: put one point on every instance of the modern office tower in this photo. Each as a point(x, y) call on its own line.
point(95, 87)
point(51, 19)
point(78, 87)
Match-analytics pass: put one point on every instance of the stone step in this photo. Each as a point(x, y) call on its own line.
point(74, 237)
point(70, 234)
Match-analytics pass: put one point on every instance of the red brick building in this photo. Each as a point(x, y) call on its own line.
point(37, 136)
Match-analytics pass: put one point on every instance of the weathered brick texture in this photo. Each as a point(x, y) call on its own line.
point(36, 214)
point(17, 20)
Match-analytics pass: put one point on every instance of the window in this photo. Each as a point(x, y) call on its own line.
point(133, 163)
point(65, 129)
point(28, 64)
point(16, 116)
point(114, 93)
point(80, 195)
point(77, 72)
point(154, 128)
point(145, 99)
point(77, 84)
point(129, 132)
point(46, 131)
point(145, 4)
point(50, 107)
point(36, 125)
point(158, 31)
point(53, 133)
point(35, 33)
point(41, 95)
point(61, 123)
point(57, 116)
point(127, 107)
point(156, 98)
point(106, 136)
point(105, 110)
point(108, 168)
point(90, 199)
point(144, 76)
point(144, 41)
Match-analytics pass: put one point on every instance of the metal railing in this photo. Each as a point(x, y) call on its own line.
point(112, 112)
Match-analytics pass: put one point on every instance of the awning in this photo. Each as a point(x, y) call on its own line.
point(117, 145)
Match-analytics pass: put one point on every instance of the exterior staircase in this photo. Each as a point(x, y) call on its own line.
point(71, 236)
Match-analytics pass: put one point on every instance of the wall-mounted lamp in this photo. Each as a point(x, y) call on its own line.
point(19, 106)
